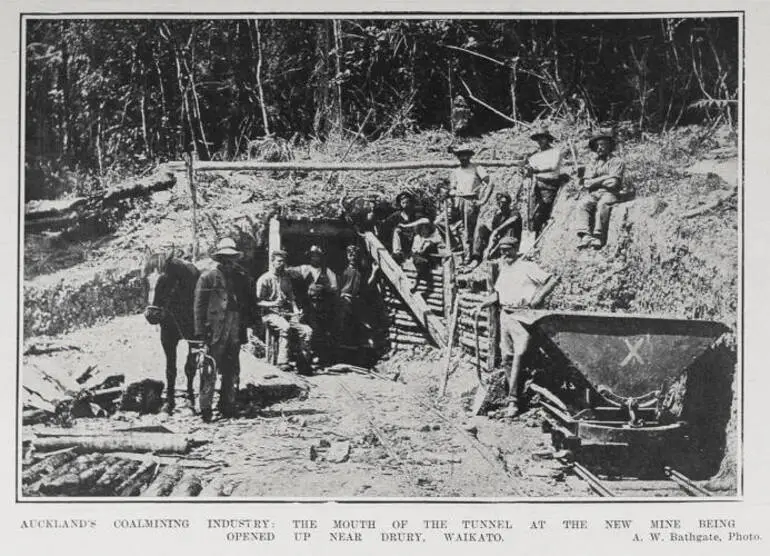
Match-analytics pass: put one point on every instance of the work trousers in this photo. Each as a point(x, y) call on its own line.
point(284, 328)
point(225, 352)
point(514, 340)
point(469, 213)
point(543, 197)
point(594, 212)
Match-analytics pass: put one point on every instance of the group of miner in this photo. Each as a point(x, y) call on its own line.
point(311, 309)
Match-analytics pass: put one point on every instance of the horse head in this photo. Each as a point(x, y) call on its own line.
point(161, 282)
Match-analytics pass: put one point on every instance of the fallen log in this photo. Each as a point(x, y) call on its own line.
point(117, 442)
point(136, 482)
point(66, 480)
point(111, 475)
point(35, 416)
point(189, 487)
point(313, 166)
point(47, 465)
point(164, 483)
point(90, 476)
point(217, 488)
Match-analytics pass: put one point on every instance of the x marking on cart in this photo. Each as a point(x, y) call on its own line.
point(633, 352)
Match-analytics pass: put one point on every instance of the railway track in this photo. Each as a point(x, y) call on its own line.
point(675, 483)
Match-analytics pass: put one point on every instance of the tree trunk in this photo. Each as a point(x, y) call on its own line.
point(323, 121)
point(261, 92)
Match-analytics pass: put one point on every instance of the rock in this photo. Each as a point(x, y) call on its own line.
point(424, 428)
point(324, 443)
point(436, 427)
point(339, 452)
point(313, 453)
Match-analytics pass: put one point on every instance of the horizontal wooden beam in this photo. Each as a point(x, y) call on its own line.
point(312, 166)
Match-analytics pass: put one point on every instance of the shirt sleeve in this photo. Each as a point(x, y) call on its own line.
point(615, 168)
point(537, 274)
point(482, 173)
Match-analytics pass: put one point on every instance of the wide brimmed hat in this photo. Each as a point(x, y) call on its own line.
point(226, 248)
point(463, 148)
point(542, 131)
point(603, 133)
point(403, 195)
point(508, 241)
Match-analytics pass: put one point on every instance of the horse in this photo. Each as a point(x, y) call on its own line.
point(171, 291)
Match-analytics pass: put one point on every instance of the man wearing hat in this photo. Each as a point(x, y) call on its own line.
point(465, 188)
point(356, 300)
point(426, 242)
point(544, 167)
point(603, 182)
point(218, 323)
point(281, 314)
point(393, 231)
point(519, 284)
point(505, 222)
point(318, 300)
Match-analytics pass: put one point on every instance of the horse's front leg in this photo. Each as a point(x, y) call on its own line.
point(189, 371)
point(169, 348)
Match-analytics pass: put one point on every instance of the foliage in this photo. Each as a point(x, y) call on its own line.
point(109, 97)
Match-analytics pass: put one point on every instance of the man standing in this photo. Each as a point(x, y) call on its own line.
point(320, 292)
point(218, 324)
point(354, 300)
point(505, 222)
point(280, 313)
point(520, 284)
point(465, 188)
point(544, 167)
point(604, 182)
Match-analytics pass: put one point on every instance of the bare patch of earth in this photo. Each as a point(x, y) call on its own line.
point(395, 442)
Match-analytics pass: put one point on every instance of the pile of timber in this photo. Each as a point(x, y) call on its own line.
point(70, 214)
point(468, 303)
point(50, 394)
point(68, 472)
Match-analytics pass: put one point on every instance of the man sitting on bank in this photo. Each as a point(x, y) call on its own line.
point(520, 284)
point(603, 182)
point(280, 313)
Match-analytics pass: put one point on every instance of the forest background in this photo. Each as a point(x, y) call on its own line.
point(109, 98)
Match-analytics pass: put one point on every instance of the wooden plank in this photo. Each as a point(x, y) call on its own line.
point(447, 284)
point(493, 314)
point(308, 165)
point(274, 236)
point(432, 323)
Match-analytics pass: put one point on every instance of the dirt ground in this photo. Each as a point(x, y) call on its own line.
point(401, 445)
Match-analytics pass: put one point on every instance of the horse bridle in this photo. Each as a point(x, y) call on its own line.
point(164, 312)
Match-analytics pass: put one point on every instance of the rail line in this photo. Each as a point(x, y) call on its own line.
point(610, 488)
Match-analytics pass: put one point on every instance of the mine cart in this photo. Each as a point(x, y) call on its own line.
point(653, 384)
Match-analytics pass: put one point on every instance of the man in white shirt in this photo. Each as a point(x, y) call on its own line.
point(470, 189)
point(545, 168)
point(520, 284)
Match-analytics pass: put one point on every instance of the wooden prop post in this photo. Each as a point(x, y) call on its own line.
point(190, 160)
point(493, 316)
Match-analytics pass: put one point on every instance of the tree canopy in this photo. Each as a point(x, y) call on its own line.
point(114, 95)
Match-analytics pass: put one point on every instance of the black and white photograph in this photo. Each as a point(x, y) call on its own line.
point(380, 257)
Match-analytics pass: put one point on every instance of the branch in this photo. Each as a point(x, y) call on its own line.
point(498, 62)
point(488, 107)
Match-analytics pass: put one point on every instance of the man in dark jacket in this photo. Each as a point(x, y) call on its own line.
point(218, 323)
